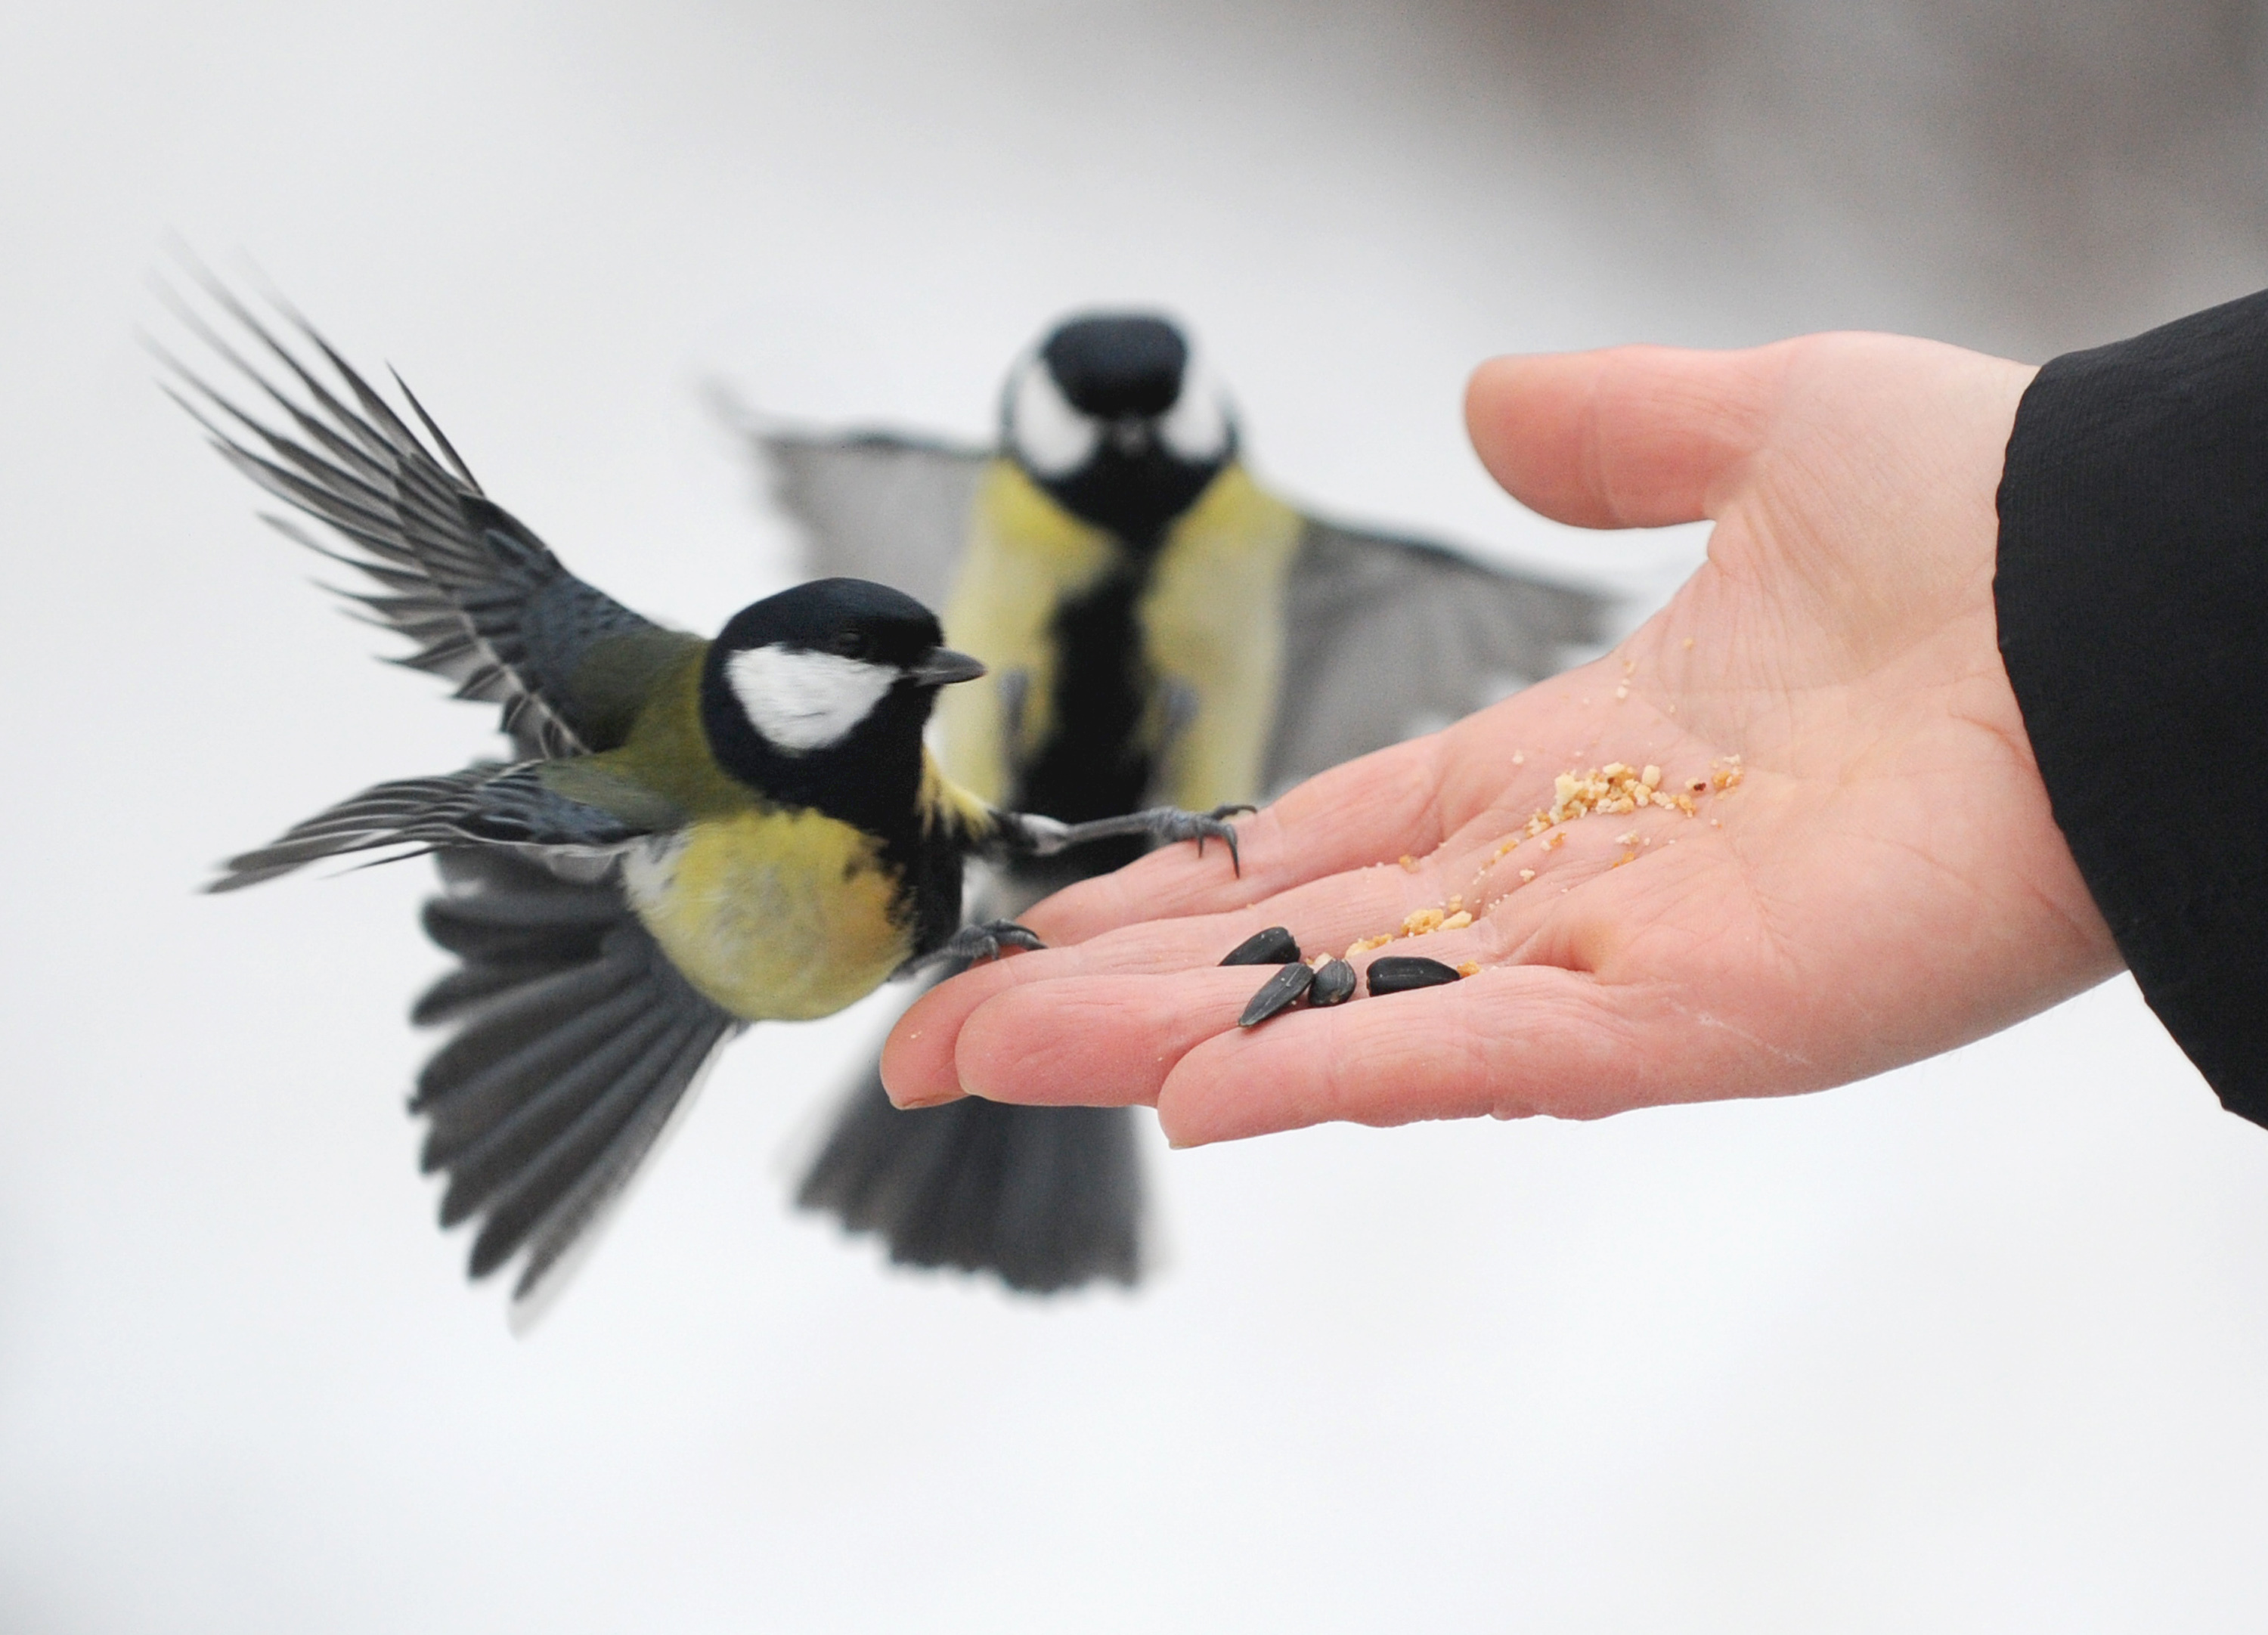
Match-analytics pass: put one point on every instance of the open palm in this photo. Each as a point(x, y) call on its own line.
point(1868, 873)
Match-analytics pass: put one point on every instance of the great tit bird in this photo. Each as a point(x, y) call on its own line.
point(1158, 626)
point(695, 836)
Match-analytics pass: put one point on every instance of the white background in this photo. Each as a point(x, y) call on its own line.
point(1981, 1345)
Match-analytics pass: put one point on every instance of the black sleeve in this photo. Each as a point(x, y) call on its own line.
point(2132, 593)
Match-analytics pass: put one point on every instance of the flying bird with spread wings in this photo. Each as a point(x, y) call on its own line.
point(692, 834)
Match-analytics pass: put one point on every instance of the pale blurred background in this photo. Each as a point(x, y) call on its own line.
point(1979, 1346)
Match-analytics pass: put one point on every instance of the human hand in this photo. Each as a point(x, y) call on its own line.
point(1882, 881)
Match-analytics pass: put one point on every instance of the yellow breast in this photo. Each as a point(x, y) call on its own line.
point(775, 915)
point(1209, 622)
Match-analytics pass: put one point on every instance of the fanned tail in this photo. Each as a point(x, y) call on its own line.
point(1046, 1198)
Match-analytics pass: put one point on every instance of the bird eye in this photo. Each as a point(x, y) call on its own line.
point(851, 644)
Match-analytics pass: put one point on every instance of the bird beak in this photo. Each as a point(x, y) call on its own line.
point(944, 667)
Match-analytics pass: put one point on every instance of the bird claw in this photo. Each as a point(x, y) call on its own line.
point(976, 945)
point(1167, 824)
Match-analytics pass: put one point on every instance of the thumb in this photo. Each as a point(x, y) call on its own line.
point(1635, 437)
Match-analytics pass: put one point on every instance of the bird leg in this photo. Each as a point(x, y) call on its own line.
point(1038, 836)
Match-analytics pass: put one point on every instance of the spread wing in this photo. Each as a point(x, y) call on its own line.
point(873, 504)
point(487, 603)
point(485, 806)
point(1386, 637)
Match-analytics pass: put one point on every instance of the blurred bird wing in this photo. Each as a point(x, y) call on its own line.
point(1386, 637)
point(578, 1049)
point(873, 504)
point(517, 808)
point(488, 604)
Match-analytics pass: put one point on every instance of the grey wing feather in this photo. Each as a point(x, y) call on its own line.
point(577, 1046)
point(1385, 638)
point(506, 806)
point(488, 605)
point(874, 504)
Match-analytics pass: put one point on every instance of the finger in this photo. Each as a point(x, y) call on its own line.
point(1511, 1041)
point(1633, 437)
point(1097, 1041)
point(1109, 1039)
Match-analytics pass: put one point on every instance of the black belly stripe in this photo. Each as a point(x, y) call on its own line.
point(1093, 764)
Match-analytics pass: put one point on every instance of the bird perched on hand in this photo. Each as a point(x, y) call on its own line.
point(696, 835)
point(1158, 626)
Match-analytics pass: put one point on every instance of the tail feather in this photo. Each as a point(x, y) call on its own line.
point(1045, 1198)
point(578, 1213)
point(577, 1043)
point(561, 1170)
point(524, 1031)
point(498, 1157)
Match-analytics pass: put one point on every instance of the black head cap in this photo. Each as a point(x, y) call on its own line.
point(1113, 363)
point(1113, 417)
point(851, 618)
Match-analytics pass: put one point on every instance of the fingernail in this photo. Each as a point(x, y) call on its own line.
point(913, 1104)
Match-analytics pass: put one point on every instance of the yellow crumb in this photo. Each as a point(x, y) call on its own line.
point(1688, 644)
point(1651, 777)
point(1423, 922)
point(1408, 864)
point(1458, 921)
point(1365, 945)
point(1560, 839)
point(1470, 967)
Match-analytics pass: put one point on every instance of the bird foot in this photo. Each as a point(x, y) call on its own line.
point(975, 945)
point(1162, 824)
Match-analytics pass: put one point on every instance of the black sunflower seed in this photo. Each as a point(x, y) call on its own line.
point(1279, 993)
point(1334, 982)
point(1272, 946)
point(1403, 972)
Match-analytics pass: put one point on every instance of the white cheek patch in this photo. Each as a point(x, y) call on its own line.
point(1051, 436)
point(802, 700)
point(1196, 429)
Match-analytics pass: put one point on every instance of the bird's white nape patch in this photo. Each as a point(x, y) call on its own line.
point(802, 700)
point(1050, 437)
point(1197, 428)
